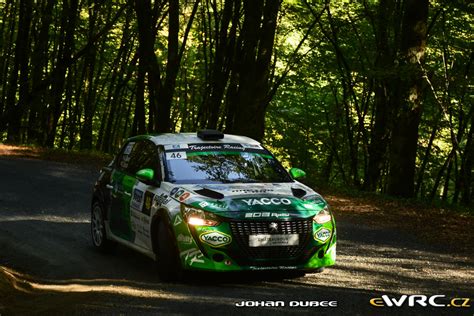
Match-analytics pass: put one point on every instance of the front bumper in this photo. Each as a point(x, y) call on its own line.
point(219, 253)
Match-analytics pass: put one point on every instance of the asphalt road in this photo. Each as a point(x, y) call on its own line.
point(44, 232)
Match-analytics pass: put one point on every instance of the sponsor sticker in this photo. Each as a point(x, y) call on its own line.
point(184, 239)
point(137, 198)
point(205, 147)
point(257, 268)
point(269, 240)
point(203, 204)
point(267, 201)
point(177, 220)
point(176, 155)
point(148, 203)
point(179, 193)
point(176, 146)
point(322, 234)
point(173, 191)
point(160, 200)
point(192, 256)
point(184, 196)
point(215, 238)
point(251, 146)
point(137, 195)
point(266, 214)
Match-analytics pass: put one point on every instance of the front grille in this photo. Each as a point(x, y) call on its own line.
point(242, 229)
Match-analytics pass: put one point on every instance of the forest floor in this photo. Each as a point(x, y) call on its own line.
point(91, 158)
point(47, 263)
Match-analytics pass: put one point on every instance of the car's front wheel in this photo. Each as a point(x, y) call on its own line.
point(167, 261)
point(98, 233)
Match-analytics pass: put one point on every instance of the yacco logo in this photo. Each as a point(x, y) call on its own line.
point(267, 201)
point(322, 234)
point(216, 239)
point(420, 300)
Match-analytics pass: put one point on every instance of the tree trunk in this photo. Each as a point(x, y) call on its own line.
point(467, 165)
point(251, 99)
point(408, 99)
point(225, 47)
point(68, 25)
point(16, 110)
point(165, 94)
point(39, 61)
point(90, 64)
point(9, 22)
point(381, 129)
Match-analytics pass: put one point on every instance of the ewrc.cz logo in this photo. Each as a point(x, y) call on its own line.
point(420, 300)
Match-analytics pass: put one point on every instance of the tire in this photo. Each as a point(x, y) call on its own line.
point(98, 233)
point(167, 261)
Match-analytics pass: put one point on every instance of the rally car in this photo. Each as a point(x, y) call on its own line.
point(210, 201)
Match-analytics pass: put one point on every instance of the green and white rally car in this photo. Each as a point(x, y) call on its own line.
point(210, 201)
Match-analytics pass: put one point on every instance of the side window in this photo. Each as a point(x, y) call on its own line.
point(144, 155)
point(139, 155)
point(123, 158)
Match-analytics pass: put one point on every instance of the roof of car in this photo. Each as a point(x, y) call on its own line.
point(192, 138)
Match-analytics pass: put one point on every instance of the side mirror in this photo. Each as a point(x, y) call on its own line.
point(146, 175)
point(297, 173)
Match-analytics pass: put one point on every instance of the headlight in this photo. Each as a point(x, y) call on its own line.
point(323, 216)
point(197, 217)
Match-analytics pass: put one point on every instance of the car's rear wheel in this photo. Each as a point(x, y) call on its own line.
point(98, 233)
point(167, 261)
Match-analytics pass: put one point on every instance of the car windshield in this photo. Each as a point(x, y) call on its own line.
point(228, 163)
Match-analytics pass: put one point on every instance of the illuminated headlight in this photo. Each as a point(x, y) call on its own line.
point(197, 217)
point(323, 216)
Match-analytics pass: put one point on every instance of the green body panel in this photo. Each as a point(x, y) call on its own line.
point(121, 197)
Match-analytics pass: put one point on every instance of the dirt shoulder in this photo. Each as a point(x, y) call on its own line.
point(93, 158)
point(440, 227)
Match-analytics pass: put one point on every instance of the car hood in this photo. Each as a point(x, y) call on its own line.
point(265, 200)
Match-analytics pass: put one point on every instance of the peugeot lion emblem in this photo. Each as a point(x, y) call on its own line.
point(273, 227)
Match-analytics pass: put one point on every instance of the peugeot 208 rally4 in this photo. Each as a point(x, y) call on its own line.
point(210, 201)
